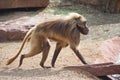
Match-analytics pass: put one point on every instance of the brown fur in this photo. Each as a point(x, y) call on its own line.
point(64, 31)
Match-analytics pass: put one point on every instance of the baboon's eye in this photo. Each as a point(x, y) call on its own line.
point(84, 22)
point(78, 18)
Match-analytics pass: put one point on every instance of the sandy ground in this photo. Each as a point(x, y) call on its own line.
point(31, 70)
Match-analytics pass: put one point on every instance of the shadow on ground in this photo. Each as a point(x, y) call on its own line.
point(37, 72)
point(11, 14)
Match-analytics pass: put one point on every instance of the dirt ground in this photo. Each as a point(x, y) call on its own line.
point(31, 70)
point(102, 26)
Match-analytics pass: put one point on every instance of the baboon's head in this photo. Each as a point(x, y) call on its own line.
point(81, 23)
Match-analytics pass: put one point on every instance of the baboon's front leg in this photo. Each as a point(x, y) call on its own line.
point(57, 51)
point(45, 54)
point(79, 55)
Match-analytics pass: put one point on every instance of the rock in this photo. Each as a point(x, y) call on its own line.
point(15, 29)
point(7, 4)
point(3, 34)
point(14, 32)
point(110, 49)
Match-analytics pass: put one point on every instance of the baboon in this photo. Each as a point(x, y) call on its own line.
point(65, 31)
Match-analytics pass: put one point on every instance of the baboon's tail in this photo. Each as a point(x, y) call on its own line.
point(27, 36)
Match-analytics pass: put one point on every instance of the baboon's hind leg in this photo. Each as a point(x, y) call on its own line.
point(36, 48)
point(33, 52)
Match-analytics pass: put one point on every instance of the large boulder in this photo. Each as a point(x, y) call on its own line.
point(16, 29)
point(7, 4)
point(15, 32)
point(110, 50)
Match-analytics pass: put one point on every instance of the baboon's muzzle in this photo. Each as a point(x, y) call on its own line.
point(83, 30)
